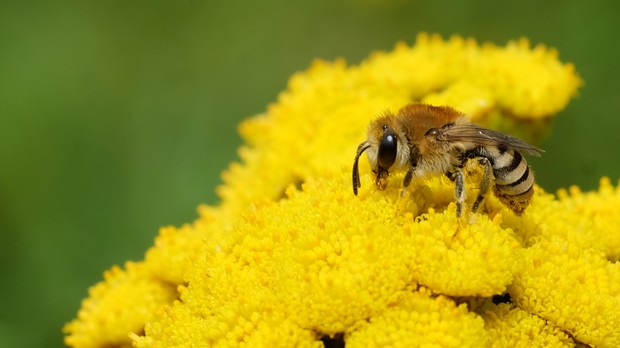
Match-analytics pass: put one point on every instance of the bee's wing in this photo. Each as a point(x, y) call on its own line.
point(475, 134)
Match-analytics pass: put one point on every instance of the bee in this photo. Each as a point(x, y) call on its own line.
point(432, 140)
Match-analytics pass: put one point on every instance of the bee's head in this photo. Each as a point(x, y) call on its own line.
point(382, 146)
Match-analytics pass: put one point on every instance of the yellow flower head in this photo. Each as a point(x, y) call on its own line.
point(510, 326)
point(290, 257)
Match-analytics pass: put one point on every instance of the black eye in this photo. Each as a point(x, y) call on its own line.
point(387, 151)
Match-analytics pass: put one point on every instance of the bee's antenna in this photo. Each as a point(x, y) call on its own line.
point(356, 173)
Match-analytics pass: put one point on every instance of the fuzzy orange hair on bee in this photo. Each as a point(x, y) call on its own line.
point(423, 140)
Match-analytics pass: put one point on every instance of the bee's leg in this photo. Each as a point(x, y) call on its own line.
point(407, 180)
point(459, 189)
point(484, 184)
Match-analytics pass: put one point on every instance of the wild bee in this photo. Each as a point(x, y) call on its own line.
point(430, 140)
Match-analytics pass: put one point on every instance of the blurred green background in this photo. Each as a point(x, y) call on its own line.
point(117, 117)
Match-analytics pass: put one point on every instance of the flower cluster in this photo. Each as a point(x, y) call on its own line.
point(290, 257)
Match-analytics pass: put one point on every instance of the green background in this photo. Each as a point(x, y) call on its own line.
point(117, 117)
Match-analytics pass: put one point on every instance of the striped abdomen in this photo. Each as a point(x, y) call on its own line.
point(514, 180)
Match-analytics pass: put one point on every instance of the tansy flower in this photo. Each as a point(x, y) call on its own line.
point(290, 257)
point(510, 326)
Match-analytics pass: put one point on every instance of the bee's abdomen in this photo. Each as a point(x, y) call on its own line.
point(514, 180)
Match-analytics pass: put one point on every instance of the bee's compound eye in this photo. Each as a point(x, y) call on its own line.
point(387, 151)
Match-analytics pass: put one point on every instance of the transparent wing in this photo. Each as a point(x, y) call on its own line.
point(475, 134)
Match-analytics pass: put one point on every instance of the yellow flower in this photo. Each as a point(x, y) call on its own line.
point(599, 213)
point(290, 257)
point(510, 326)
point(421, 320)
point(315, 274)
point(575, 288)
point(121, 304)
